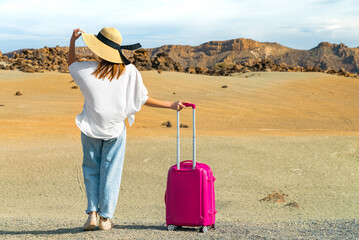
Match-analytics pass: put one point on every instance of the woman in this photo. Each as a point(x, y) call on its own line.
point(113, 90)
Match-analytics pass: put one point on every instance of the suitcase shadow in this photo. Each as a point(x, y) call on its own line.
point(155, 227)
point(141, 227)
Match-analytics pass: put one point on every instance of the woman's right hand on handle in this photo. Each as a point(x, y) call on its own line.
point(178, 105)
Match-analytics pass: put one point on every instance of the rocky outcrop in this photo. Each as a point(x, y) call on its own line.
point(258, 65)
point(213, 58)
point(141, 60)
point(55, 59)
point(162, 61)
point(41, 60)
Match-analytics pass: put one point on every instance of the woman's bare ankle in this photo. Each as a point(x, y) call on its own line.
point(92, 213)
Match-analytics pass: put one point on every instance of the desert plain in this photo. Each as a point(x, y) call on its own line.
point(294, 133)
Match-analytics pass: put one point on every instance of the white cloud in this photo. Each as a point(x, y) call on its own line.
point(296, 23)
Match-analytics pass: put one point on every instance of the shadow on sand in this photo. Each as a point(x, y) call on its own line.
point(44, 232)
point(78, 230)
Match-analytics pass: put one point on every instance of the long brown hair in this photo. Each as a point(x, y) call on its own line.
point(109, 69)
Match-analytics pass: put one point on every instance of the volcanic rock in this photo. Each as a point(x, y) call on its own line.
point(167, 124)
point(178, 67)
point(63, 68)
point(292, 204)
point(330, 71)
point(199, 70)
point(275, 197)
point(191, 70)
point(163, 62)
point(27, 68)
point(237, 67)
point(141, 60)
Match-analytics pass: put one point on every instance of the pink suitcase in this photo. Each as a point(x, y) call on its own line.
point(189, 195)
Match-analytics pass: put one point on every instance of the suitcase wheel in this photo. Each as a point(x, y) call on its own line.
point(171, 227)
point(214, 226)
point(203, 229)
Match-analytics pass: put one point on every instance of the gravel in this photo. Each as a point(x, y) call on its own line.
point(43, 228)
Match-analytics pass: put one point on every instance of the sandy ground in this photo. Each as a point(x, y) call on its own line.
point(290, 132)
point(254, 103)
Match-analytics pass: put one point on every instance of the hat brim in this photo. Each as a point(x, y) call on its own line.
point(100, 49)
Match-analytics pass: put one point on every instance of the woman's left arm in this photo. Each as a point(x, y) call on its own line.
point(71, 55)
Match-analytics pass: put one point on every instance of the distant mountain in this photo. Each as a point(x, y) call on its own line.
point(325, 55)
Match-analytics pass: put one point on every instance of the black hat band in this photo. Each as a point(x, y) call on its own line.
point(118, 47)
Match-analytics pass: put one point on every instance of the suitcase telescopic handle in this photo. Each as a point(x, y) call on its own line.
point(194, 136)
point(190, 105)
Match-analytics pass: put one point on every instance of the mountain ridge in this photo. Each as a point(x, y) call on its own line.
point(326, 56)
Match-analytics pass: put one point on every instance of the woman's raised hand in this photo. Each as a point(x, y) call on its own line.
point(72, 55)
point(76, 34)
point(178, 105)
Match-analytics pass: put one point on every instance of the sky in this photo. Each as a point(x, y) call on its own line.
point(300, 24)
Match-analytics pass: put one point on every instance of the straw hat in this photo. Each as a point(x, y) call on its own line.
point(107, 45)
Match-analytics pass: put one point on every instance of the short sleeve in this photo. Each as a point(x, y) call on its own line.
point(74, 69)
point(137, 95)
point(143, 89)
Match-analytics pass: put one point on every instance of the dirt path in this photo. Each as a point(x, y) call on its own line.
point(40, 180)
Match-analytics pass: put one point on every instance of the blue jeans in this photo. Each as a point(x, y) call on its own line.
point(102, 169)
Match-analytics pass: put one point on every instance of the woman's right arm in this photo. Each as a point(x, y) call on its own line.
point(152, 102)
point(71, 55)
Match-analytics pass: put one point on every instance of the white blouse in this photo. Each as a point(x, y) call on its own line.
point(107, 104)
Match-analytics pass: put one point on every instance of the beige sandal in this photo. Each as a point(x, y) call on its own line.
point(105, 224)
point(91, 222)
